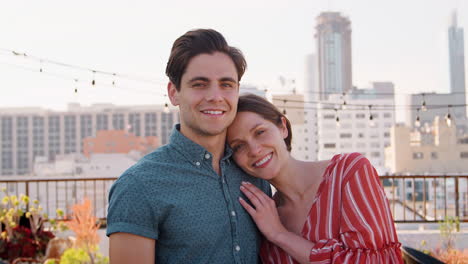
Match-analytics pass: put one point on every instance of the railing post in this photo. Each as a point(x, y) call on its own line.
point(27, 194)
point(457, 215)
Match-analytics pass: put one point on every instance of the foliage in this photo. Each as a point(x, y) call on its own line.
point(451, 256)
point(22, 227)
point(80, 256)
point(85, 225)
point(448, 228)
point(448, 253)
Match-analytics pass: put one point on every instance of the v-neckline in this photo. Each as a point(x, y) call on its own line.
point(319, 191)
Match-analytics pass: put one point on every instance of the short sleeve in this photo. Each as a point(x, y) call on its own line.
point(367, 231)
point(130, 210)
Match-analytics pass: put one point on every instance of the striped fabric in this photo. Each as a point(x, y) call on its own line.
point(350, 220)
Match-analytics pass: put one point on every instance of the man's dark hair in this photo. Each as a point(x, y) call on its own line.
point(196, 42)
point(260, 106)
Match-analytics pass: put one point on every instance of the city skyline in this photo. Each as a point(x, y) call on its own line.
point(398, 42)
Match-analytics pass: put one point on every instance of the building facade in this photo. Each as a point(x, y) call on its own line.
point(27, 133)
point(347, 124)
point(333, 35)
point(456, 57)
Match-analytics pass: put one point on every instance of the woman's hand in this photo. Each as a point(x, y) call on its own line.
point(264, 214)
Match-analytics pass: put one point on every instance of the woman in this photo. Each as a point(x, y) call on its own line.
point(323, 212)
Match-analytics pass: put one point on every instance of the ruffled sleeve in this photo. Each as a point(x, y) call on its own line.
point(367, 231)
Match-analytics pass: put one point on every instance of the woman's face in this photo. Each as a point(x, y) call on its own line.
point(258, 144)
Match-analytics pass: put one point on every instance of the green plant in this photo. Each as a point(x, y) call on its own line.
point(448, 228)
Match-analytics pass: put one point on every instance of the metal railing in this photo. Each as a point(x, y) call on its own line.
point(427, 198)
point(53, 193)
point(413, 199)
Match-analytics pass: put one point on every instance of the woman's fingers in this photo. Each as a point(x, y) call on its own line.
point(259, 194)
point(252, 197)
point(247, 207)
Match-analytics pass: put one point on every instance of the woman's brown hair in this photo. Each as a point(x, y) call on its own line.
point(259, 105)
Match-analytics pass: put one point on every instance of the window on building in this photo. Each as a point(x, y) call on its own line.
point(329, 145)
point(434, 155)
point(360, 116)
point(464, 155)
point(419, 155)
point(375, 145)
point(375, 154)
point(345, 135)
point(360, 145)
point(386, 134)
point(328, 116)
point(387, 115)
point(360, 125)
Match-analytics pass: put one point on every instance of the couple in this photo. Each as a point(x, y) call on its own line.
point(189, 202)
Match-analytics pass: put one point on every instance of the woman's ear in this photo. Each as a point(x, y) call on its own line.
point(284, 127)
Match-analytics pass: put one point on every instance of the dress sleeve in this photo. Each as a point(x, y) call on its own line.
point(367, 231)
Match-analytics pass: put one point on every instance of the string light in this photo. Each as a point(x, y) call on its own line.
point(423, 104)
point(417, 123)
point(337, 119)
point(40, 69)
point(166, 108)
point(343, 107)
point(371, 117)
point(448, 117)
point(113, 80)
point(93, 82)
point(76, 85)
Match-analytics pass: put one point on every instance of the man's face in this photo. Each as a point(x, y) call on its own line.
point(208, 95)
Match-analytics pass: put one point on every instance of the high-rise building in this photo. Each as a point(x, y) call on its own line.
point(334, 53)
point(456, 57)
point(28, 133)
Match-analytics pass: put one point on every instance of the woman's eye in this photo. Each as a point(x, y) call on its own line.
point(238, 147)
point(259, 132)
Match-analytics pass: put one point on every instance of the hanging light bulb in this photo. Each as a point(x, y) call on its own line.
point(423, 104)
point(93, 82)
point(343, 106)
point(76, 85)
point(448, 117)
point(371, 117)
point(113, 80)
point(40, 69)
point(337, 119)
point(417, 123)
point(166, 109)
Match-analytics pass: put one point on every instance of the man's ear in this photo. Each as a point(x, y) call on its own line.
point(173, 94)
point(284, 127)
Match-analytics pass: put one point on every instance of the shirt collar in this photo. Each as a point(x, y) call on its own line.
point(191, 150)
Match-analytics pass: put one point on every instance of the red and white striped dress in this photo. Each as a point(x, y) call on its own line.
point(350, 220)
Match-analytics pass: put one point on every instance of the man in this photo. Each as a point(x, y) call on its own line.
point(179, 204)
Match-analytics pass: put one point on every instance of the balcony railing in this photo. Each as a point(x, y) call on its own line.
point(413, 199)
point(427, 198)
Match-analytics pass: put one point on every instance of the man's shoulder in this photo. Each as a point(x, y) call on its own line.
point(152, 165)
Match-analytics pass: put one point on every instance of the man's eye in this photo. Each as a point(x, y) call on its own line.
point(227, 85)
point(198, 85)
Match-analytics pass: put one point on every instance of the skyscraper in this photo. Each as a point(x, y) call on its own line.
point(334, 53)
point(456, 57)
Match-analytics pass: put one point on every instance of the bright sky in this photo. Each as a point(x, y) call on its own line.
point(393, 40)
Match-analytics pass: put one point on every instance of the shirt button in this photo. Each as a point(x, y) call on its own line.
point(237, 248)
point(233, 213)
point(197, 163)
point(207, 156)
point(223, 180)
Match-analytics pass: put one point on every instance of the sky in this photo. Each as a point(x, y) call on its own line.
point(401, 41)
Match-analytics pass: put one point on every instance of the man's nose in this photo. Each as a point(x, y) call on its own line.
point(214, 93)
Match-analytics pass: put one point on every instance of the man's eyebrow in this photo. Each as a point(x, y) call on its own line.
point(227, 79)
point(198, 78)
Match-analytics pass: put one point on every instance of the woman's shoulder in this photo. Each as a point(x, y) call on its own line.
point(345, 165)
